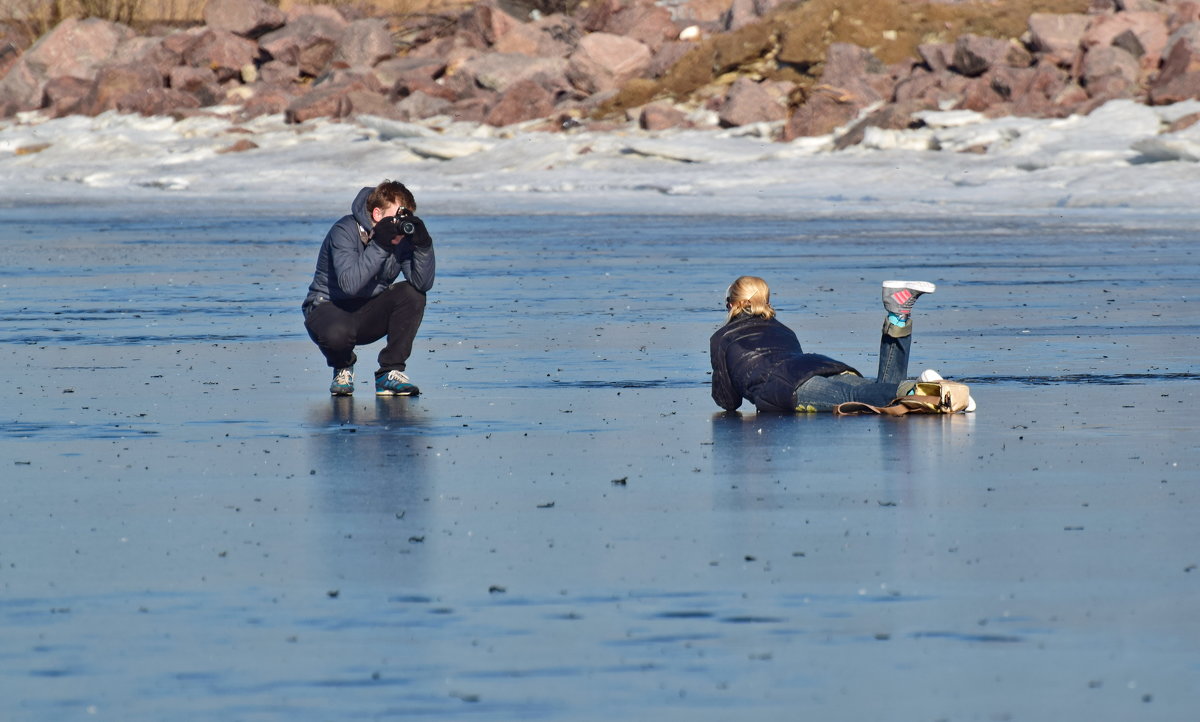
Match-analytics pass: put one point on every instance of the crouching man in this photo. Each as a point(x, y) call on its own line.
point(354, 298)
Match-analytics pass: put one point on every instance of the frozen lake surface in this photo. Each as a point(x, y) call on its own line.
point(562, 527)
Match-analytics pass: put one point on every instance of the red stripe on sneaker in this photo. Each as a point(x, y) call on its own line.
point(902, 296)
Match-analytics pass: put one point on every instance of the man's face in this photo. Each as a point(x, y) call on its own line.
point(378, 214)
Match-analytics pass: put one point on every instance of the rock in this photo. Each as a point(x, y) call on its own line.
point(1148, 31)
point(750, 102)
point(823, 113)
point(979, 95)
point(363, 43)
point(277, 72)
point(701, 12)
point(1182, 14)
point(248, 18)
point(894, 116)
point(62, 95)
point(74, 48)
point(395, 70)
point(267, 100)
point(523, 100)
point(661, 116)
point(974, 55)
point(1038, 98)
point(1183, 123)
point(855, 75)
point(113, 83)
point(1058, 37)
point(418, 105)
point(666, 57)
point(605, 62)
point(147, 51)
point(470, 110)
point(1011, 83)
point(594, 16)
point(650, 25)
point(223, 52)
point(937, 56)
point(329, 101)
point(308, 41)
point(497, 71)
point(199, 82)
point(486, 23)
point(1179, 78)
point(13, 41)
point(1109, 72)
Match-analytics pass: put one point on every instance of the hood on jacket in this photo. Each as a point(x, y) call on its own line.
point(359, 209)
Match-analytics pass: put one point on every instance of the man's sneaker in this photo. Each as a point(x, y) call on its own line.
point(899, 296)
point(343, 382)
point(394, 383)
point(931, 375)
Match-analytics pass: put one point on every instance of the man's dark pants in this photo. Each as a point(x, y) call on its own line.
point(338, 326)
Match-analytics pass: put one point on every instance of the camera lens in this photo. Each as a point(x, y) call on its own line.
point(407, 227)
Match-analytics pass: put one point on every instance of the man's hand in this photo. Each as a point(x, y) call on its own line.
point(385, 234)
point(420, 236)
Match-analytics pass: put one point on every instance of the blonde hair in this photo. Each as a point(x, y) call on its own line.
point(749, 294)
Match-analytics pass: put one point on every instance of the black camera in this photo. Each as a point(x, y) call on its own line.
point(404, 222)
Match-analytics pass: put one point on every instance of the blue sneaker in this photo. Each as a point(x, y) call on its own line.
point(394, 383)
point(343, 382)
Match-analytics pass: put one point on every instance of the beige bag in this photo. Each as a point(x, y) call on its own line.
point(928, 397)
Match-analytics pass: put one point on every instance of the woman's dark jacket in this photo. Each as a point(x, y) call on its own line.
point(761, 360)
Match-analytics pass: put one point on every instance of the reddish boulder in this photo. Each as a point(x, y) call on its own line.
point(522, 101)
point(471, 110)
point(363, 43)
point(147, 51)
point(308, 41)
point(937, 56)
point(62, 95)
point(1182, 14)
point(667, 56)
point(823, 113)
point(112, 83)
point(604, 62)
point(275, 72)
point(13, 42)
point(199, 82)
point(485, 24)
point(661, 116)
point(497, 71)
point(222, 51)
point(267, 100)
point(394, 70)
point(1058, 37)
point(974, 55)
point(1142, 34)
point(893, 116)
point(74, 48)
point(1179, 78)
point(855, 76)
point(330, 100)
point(1109, 72)
point(418, 105)
point(750, 102)
point(701, 12)
point(650, 25)
point(248, 18)
point(979, 95)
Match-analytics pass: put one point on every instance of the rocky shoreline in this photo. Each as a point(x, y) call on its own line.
point(694, 64)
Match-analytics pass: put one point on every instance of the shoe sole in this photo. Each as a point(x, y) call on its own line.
point(414, 392)
point(341, 393)
point(922, 286)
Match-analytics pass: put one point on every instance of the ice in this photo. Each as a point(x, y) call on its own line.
point(958, 159)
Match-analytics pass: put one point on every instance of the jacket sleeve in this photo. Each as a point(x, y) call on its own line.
point(419, 268)
point(355, 271)
point(722, 385)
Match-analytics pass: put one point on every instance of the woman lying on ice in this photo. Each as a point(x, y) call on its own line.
point(757, 358)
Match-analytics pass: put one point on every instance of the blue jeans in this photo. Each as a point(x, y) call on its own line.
point(822, 393)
